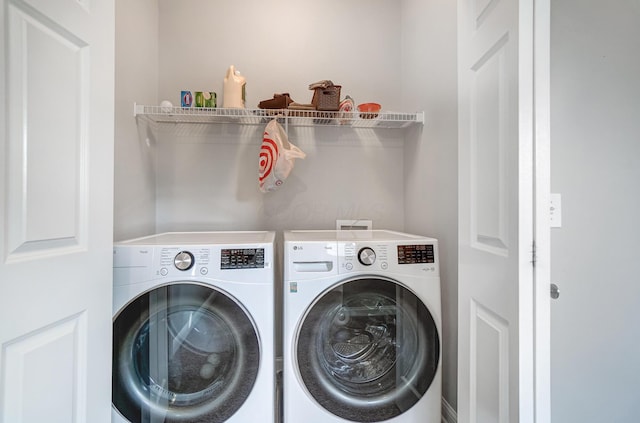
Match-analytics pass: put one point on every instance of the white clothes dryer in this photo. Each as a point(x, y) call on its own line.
point(362, 323)
point(193, 328)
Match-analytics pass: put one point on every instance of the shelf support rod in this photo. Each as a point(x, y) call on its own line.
point(137, 109)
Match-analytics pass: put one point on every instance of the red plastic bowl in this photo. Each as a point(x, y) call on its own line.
point(369, 110)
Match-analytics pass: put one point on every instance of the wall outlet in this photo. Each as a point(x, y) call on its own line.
point(555, 210)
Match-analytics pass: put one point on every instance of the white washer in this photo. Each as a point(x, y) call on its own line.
point(362, 323)
point(193, 328)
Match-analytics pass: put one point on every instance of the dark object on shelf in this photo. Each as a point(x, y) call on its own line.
point(279, 101)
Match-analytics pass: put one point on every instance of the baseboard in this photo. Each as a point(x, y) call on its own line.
point(449, 415)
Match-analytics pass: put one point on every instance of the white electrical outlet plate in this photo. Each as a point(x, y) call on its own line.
point(354, 224)
point(555, 210)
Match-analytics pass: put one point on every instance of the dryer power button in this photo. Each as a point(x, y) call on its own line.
point(183, 260)
point(367, 256)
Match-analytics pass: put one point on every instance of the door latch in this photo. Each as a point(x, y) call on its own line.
point(555, 291)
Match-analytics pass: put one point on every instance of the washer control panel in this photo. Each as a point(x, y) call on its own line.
point(416, 254)
point(413, 258)
point(242, 258)
point(362, 256)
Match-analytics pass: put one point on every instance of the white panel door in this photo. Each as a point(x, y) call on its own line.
point(497, 296)
point(56, 201)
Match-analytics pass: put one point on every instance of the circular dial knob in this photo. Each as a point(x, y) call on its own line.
point(367, 256)
point(183, 260)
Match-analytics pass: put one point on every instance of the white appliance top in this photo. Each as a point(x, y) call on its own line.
point(351, 235)
point(314, 254)
point(203, 238)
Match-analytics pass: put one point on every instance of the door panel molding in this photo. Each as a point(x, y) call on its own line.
point(489, 132)
point(489, 365)
point(48, 82)
point(34, 363)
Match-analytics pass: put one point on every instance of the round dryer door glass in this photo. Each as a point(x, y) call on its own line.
point(368, 350)
point(183, 353)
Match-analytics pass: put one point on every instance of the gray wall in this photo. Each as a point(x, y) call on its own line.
point(429, 75)
point(136, 80)
point(207, 176)
point(595, 100)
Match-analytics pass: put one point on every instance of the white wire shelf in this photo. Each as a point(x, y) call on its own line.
point(163, 114)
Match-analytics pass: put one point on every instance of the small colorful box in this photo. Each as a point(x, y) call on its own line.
point(186, 99)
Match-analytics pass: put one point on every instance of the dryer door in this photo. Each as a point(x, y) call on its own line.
point(367, 350)
point(183, 353)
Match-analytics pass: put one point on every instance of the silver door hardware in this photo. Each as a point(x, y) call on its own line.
point(555, 291)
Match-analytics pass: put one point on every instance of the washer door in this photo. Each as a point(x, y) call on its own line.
point(183, 353)
point(367, 350)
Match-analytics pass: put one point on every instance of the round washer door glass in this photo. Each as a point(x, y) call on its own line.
point(368, 350)
point(183, 353)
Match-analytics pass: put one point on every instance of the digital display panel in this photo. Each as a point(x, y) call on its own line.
point(416, 254)
point(242, 258)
